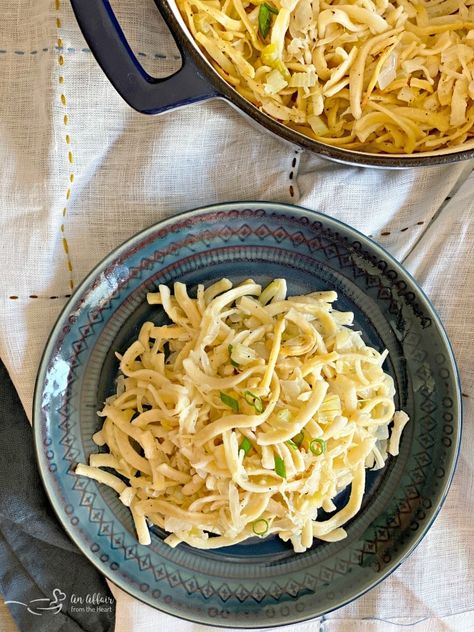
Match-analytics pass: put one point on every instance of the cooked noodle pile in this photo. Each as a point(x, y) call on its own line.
point(244, 416)
point(371, 75)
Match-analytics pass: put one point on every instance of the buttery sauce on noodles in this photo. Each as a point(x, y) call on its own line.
point(373, 75)
point(244, 416)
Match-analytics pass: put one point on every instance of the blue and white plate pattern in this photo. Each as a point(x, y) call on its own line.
point(261, 582)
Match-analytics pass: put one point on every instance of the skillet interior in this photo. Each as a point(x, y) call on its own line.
point(187, 43)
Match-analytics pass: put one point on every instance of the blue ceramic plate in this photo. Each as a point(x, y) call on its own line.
point(261, 583)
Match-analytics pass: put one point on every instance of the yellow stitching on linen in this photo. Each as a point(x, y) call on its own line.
point(70, 156)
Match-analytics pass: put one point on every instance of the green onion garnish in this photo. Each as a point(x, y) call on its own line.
point(298, 439)
point(233, 362)
point(229, 401)
point(249, 397)
point(292, 444)
point(265, 18)
point(254, 401)
point(317, 447)
point(271, 8)
point(260, 527)
point(246, 446)
point(280, 467)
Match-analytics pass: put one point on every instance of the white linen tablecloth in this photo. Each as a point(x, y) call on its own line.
point(81, 172)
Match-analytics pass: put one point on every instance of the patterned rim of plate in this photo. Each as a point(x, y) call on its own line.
point(257, 585)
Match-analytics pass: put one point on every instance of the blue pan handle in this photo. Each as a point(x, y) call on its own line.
point(142, 92)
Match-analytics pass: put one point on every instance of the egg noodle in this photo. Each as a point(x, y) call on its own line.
point(244, 416)
point(370, 75)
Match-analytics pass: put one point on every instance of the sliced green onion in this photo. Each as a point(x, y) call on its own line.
point(233, 362)
point(255, 401)
point(265, 18)
point(299, 438)
point(249, 397)
point(273, 10)
point(284, 415)
point(260, 527)
point(317, 447)
point(292, 444)
point(246, 446)
point(229, 401)
point(280, 467)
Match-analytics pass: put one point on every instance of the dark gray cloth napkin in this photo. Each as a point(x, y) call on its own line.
point(41, 570)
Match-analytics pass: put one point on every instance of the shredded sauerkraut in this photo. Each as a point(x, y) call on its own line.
point(244, 416)
point(371, 75)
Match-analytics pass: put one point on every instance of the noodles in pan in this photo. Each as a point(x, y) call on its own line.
point(373, 75)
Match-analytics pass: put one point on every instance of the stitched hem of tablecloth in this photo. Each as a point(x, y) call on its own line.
point(392, 620)
point(457, 185)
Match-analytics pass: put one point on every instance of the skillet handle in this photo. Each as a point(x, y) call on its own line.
point(142, 92)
